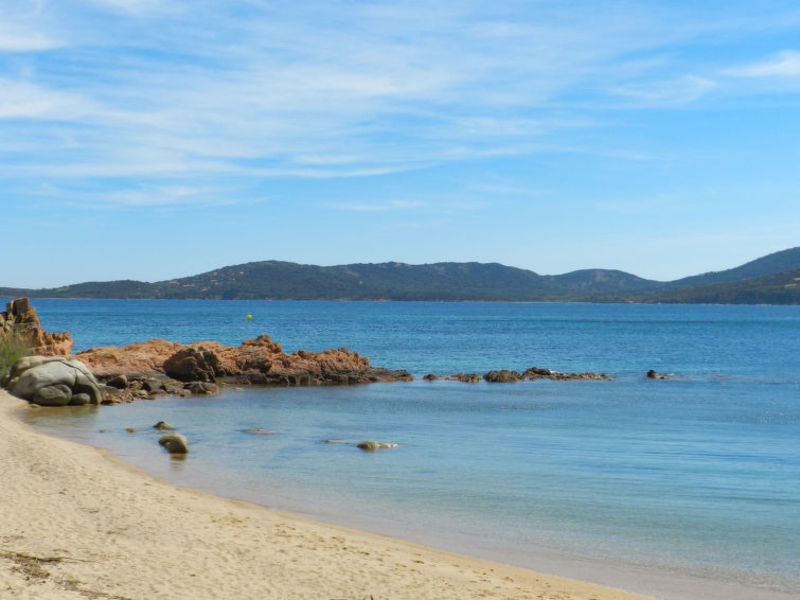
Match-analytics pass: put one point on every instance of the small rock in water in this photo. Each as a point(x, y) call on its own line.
point(334, 441)
point(651, 374)
point(430, 377)
point(370, 445)
point(259, 431)
point(131, 429)
point(175, 443)
point(163, 426)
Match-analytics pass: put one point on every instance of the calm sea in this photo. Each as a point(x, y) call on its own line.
point(686, 488)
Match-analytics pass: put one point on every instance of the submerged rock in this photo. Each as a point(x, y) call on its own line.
point(163, 426)
point(371, 445)
point(465, 377)
point(259, 431)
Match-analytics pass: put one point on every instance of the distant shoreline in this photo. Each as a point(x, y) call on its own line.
point(771, 279)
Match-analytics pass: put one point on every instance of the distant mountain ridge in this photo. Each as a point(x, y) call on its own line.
point(769, 279)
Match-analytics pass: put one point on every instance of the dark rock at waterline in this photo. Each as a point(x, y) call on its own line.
point(503, 376)
point(119, 382)
point(163, 426)
point(535, 373)
point(372, 445)
point(80, 399)
point(153, 385)
point(202, 388)
point(430, 377)
point(465, 377)
point(651, 374)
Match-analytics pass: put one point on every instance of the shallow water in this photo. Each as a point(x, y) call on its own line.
point(686, 488)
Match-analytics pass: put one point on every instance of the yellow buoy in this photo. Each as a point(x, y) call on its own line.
point(248, 317)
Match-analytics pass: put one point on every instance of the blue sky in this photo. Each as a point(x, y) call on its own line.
point(151, 139)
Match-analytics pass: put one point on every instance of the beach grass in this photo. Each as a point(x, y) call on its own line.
point(12, 348)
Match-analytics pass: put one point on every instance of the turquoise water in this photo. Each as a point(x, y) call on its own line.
point(686, 488)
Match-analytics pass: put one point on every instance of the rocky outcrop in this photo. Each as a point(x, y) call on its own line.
point(21, 321)
point(53, 381)
point(195, 363)
point(258, 361)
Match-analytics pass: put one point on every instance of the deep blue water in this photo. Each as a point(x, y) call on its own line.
point(620, 482)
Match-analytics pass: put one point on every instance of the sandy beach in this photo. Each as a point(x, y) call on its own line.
point(77, 523)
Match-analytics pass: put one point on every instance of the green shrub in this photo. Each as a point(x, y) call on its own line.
point(11, 350)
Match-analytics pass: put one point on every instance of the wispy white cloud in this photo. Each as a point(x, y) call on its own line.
point(782, 64)
point(20, 30)
point(682, 90)
point(376, 207)
point(332, 89)
point(24, 100)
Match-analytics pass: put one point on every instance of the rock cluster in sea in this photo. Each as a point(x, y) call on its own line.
point(158, 366)
point(532, 374)
point(155, 367)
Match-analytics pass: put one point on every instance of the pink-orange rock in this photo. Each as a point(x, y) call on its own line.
point(142, 357)
point(21, 320)
point(256, 361)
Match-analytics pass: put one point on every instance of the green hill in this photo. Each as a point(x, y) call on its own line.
point(771, 264)
point(780, 288)
point(769, 279)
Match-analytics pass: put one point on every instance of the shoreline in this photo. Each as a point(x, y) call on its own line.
point(76, 521)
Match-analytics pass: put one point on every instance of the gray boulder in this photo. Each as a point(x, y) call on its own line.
point(53, 395)
point(53, 381)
